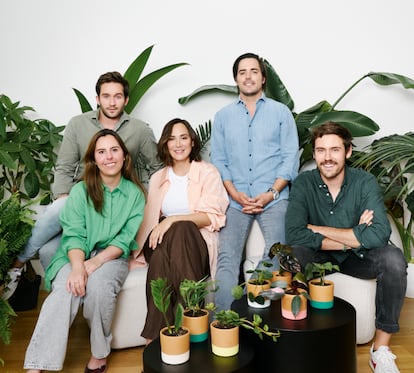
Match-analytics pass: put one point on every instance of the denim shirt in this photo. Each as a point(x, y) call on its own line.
point(252, 152)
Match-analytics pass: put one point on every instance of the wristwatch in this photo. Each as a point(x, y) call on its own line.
point(275, 193)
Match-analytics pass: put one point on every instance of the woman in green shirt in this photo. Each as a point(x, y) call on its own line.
point(100, 221)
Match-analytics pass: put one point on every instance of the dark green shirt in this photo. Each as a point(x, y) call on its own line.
point(311, 203)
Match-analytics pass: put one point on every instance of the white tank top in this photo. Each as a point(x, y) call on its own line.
point(176, 199)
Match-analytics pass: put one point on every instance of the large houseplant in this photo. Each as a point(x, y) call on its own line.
point(27, 152)
point(391, 159)
point(358, 123)
point(15, 229)
point(138, 85)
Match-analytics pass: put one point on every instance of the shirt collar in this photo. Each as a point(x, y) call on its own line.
point(262, 98)
point(124, 118)
point(121, 187)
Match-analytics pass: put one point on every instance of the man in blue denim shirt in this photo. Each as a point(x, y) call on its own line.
point(254, 145)
point(336, 213)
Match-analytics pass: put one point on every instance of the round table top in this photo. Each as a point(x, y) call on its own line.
point(317, 319)
point(202, 359)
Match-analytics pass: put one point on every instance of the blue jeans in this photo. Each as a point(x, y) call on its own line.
point(386, 264)
point(46, 234)
point(47, 347)
point(232, 240)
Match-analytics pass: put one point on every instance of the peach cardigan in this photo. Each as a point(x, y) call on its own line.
point(206, 193)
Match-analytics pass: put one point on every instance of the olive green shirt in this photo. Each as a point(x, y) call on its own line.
point(86, 229)
point(311, 203)
point(137, 135)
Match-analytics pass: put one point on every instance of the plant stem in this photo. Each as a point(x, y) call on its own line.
point(348, 90)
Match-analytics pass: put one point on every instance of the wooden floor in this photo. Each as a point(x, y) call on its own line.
point(130, 360)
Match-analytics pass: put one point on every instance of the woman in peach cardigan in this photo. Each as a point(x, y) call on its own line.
point(185, 209)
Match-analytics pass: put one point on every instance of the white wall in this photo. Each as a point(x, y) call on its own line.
point(319, 48)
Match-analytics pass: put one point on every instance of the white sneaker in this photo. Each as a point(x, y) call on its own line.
point(14, 278)
point(382, 360)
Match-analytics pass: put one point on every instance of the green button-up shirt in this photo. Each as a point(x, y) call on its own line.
point(311, 203)
point(86, 229)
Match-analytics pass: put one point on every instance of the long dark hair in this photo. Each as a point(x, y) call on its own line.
point(91, 175)
point(162, 147)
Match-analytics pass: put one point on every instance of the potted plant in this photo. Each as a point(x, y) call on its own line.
point(174, 339)
point(27, 152)
point(259, 281)
point(288, 263)
point(321, 290)
point(195, 316)
point(225, 330)
point(294, 296)
point(15, 229)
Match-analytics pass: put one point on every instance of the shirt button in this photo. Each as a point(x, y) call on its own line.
point(331, 212)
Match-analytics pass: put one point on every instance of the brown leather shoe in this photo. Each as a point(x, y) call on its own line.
point(102, 369)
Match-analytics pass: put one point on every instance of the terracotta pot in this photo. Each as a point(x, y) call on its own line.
point(255, 290)
point(286, 276)
point(224, 342)
point(322, 297)
point(175, 349)
point(286, 304)
point(198, 326)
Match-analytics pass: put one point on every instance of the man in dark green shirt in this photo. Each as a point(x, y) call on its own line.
point(336, 213)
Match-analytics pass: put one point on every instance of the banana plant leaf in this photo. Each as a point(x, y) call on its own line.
point(84, 104)
point(141, 87)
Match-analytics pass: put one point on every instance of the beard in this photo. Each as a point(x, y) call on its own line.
point(117, 113)
point(333, 172)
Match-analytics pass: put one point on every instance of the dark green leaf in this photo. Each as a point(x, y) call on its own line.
point(222, 88)
point(83, 102)
point(136, 68)
point(28, 159)
point(31, 185)
point(275, 88)
point(357, 123)
point(146, 83)
point(6, 160)
point(390, 78)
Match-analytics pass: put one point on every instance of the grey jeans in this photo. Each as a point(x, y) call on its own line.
point(47, 347)
point(386, 264)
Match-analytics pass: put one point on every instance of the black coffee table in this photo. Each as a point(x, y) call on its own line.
point(324, 342)
point(202, 360)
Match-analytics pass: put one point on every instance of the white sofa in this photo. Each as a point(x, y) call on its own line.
point(131, 311)
point(359, 293)
point(131, 307)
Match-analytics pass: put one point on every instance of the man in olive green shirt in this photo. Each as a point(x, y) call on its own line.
point(337, 214)
point(112, 91)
